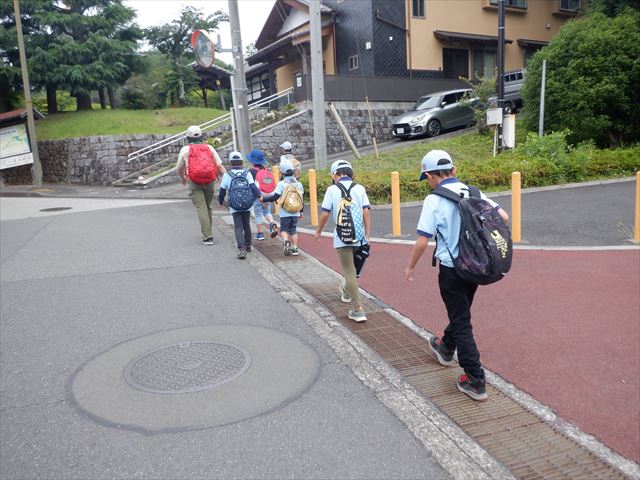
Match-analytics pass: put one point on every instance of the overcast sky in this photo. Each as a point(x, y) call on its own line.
point(253, 14)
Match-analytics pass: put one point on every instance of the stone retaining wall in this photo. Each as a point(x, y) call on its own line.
point(103, 159)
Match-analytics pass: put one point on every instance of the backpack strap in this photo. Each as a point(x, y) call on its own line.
point(346, 193)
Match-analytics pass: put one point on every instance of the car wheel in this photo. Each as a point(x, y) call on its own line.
point(433, 128)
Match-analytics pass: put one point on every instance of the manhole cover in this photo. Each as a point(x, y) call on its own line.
point(187, 367)
point(55, 209)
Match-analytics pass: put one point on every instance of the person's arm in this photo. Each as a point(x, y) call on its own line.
point(366, 217)
point(182, 165)
point(504, 215)
point(416, 253)
point(324, 216)
point(255, 190)
point(221, 195)
point(271, 198)
point(182, 174)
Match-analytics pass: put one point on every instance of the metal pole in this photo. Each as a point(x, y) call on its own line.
point(36, 169)
point(500, 85)
point(317, 87)
point(541, 119)
point(239, 88)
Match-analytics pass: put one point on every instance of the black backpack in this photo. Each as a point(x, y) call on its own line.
point(345, 225)
point(485, 248)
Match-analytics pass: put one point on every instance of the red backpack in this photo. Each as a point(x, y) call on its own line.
point(266, 181)
point(201, 168)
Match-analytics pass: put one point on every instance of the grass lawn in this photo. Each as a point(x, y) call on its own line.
point(122, 122)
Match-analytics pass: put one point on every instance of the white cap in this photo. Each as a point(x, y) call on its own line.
point(285, 166)
point(430, 162)
point(194, 131)
point(286, 146)
point(338, 164)
point(235, 156)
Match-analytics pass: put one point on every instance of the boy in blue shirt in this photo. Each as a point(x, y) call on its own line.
point(440, 215)
point(241, 217)
point(342, 174)
point(288, 220)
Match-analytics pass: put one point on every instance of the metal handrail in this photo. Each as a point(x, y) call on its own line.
point(205, 126)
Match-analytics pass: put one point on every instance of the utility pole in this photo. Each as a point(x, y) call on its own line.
point(36, 169)
point(317, 87)
point(239, 87)
point(500, 84)
point(542, 87)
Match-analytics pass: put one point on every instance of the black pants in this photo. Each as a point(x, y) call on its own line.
point(241, 222)
point(458, 297)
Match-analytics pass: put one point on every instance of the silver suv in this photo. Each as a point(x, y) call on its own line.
point(433, 113)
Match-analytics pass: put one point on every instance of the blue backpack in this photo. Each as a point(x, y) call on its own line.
point(240, 195)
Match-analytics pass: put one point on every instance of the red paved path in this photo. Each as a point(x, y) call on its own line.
point(563, 326)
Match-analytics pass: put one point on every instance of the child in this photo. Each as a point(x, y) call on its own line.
point(342, 175)
point(266, 184)
point(242, 193)
point(288, 219)
point(286, 151)
point(441, 215)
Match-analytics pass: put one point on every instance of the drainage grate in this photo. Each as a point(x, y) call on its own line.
point(187, 367)
point(55, 209)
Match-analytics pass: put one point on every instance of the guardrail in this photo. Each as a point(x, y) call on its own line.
point(216, 122)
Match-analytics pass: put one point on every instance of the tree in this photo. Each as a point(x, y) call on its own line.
point(173, 39)
point(92, 46)
point(611, 8)
point(593, 70)
point(479, 100)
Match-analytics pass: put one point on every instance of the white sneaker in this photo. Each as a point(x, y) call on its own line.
point(345, 296)
point(357, 315)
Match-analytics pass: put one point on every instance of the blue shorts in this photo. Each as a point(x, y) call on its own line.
point(261, 211)
point(289, 225)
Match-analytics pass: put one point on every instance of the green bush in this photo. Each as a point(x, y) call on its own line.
point(541, 161)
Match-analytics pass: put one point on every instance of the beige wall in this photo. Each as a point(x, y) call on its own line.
point(285, 74)
point(469, 16)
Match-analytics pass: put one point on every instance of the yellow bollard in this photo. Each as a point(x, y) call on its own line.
point(516, 211)
point(395, 204)
point(313, 197)
point(276, 174)
point(636, 227)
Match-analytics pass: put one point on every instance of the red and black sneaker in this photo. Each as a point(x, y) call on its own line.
point(445, 356)
point(473, 387)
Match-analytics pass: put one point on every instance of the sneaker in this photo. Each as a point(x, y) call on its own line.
point(357, 315)
point(294, 250)
point(345, 296)
point(208, 241)
point(273, 230)
point(286, 248)
point(248, 248)
point(259, 236)
point(445, 356)
point(473, 387)
point(242, 253)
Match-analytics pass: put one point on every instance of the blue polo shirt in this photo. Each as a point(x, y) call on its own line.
point(441, 214)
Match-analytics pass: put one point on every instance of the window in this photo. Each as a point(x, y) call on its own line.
point(450, 99)
point(573, 5)
point(511, 3)
point(484, 63)
point(418, 8)
point(353, 62)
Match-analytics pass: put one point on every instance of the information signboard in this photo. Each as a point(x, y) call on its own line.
point(14, 147)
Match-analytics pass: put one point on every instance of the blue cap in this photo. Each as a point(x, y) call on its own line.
point(256, 157)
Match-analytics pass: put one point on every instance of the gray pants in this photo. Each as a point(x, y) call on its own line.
point(201, 197)
point(242, 224)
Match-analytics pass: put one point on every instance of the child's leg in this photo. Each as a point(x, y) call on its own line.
point(349, 273)
point(257, 211)
point(238, 228)
point(246, 227)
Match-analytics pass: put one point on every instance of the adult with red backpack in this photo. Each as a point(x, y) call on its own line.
point(473, 245)
point(199, 166)
point(266, 183)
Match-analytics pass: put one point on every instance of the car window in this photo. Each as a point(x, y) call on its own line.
point(427, 102)
point(450, 98)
